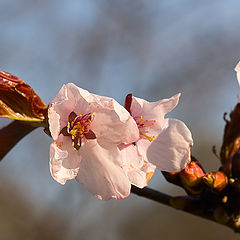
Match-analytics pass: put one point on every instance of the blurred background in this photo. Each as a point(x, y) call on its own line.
point(153, 49)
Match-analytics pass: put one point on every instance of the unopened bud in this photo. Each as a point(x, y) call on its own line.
point(191, 178)
point(217, 181)
point(192, 174)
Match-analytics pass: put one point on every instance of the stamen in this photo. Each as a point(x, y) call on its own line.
point(142, 124)
point(131, 165)
point(148, 137)
point(78, 128)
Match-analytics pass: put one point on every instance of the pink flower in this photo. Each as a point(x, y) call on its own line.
point(164, 143)
point(86, 129)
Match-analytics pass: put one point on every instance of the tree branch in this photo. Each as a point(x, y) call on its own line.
point(194, 206)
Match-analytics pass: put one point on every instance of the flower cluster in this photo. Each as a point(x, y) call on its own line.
point(107, 147)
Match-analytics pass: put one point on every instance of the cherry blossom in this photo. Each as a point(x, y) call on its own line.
point(86, 131)
point(163, 143)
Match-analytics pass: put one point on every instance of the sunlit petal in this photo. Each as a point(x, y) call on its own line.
point(64, 161)
point(170, 151)
point(101, 172)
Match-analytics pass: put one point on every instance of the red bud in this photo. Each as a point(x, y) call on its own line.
point(217, 181)
point(191, 178)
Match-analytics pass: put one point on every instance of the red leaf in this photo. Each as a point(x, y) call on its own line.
point(18, 100)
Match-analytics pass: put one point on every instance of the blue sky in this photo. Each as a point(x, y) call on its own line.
point(152, 49)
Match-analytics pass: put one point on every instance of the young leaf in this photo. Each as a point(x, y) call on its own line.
point(18, 100)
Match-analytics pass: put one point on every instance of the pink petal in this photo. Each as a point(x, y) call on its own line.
point(101, 172)
point(140, 176)
point(69, 98)
point(112, 123)
point(237, 69)
point(138, 169)
point(170, 151)
point(132, 163)
point(143, 145)
point(64, 160)
point(154, 111)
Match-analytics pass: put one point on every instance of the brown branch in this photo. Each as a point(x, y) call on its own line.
point(11, 134)
point(192, 205)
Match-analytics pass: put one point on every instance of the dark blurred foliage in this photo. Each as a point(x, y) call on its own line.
point(152, 49)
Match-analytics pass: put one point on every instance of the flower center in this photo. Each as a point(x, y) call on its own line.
point(142, 125)
point(78, 128)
